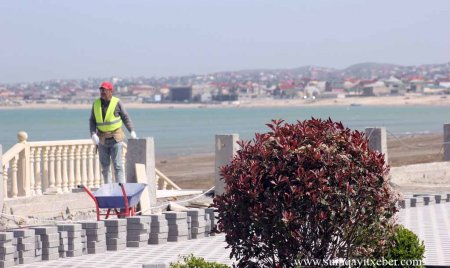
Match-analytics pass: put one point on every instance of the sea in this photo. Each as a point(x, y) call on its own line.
point(188, 131)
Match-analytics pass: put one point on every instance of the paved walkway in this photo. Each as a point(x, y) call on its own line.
point(430, 223)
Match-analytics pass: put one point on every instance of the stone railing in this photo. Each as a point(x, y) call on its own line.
point(52, 167)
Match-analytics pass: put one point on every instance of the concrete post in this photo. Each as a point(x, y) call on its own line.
point(226, 147)
point(446, 142)
point(1, 179)
point(378, 140)
point(142, 151)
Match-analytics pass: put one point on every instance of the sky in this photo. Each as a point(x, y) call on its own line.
point(53, 39)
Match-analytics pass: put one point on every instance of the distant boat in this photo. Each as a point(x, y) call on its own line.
point(355, 104)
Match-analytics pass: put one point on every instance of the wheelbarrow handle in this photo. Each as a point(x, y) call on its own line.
point(80, 186)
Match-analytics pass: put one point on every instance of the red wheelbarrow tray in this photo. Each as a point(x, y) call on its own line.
point(110, 195)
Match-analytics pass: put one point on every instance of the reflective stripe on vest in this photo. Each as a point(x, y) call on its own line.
point(111, 122)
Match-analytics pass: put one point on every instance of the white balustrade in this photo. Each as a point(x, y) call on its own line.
point(34, 168)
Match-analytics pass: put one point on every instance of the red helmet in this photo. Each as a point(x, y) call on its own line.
point(107, 85)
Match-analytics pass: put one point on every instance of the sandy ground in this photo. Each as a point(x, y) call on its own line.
point(197, 172)
point(410, 99)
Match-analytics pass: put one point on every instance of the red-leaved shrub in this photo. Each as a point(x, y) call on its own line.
point(310, 190)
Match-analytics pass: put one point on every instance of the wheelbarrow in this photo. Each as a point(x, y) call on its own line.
point(120, 199)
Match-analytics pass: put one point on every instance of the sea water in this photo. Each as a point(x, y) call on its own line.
point(185, 131)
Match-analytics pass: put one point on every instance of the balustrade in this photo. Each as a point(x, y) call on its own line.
point(36, 168)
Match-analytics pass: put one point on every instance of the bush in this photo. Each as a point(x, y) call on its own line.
point(196, 262)
point(405, 245)
point(309, 190)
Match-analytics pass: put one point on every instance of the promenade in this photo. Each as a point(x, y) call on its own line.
point(431, 223)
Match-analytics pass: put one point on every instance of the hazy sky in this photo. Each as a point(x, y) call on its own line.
point(52, 39)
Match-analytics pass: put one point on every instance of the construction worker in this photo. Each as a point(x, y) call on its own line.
point(107, 116)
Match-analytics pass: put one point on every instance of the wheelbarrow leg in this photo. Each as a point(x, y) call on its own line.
point(93, 198)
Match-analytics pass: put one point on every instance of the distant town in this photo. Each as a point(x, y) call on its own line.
point(309, 82)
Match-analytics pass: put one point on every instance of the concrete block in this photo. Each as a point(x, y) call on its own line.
point(136, 232)
point(7, 250)
point(138, 226)
point(63, 235)
point(159, 229)
point(5, 257)
point(198, 230)
point(196, 213)
point(24, 240)
point(74, 247)
point(199, 224)
point(50, 237)
point(116, 235)
point(180, 232)
point(141, 237)
point(50, 244)
point(49, 251)
point(98, 232)
point(63, 248)
point(47, 257)
point(171, 215)
point(137, 244)
point(154, 241)
point(8, 263)
point(158, 236)
point(26, 260)
point(96, 250)
point(115, 222)
point(155, 265)
point(75, 227)
point(116, 247)
point(137, 220)
point(177, 238)
point(116, 241)
point(178, 227)
point(6, 236)
point(23, 232)
point(157, 218)
point(92, 224)
point(197, 235)
point(26, 246)
point(45, 230)
point(96, 238)
point(116, 229)
point(26, 253)
point(74, 253)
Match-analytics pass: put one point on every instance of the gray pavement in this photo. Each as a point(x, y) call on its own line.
point(430, 223)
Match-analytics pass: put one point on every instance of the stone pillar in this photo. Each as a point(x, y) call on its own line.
point(446, 142)
point(142, 151)
point(378, 140)
point(226, 147)
point(2, 196)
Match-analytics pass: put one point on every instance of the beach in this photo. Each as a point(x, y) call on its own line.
point(197, 171)
point(408, 99)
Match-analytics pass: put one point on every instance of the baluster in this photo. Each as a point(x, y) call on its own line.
point(37, 171)
point(98, 177)
point(72, 150)
point(5, 180)
point(65, 180)
point(164, 184)
point(45, 178)
point(157, 181)
point(78, 165)
point(51, 177)
point(84, 178)
point(90, 152)
point(124, 153)
point(32, 179)
point(58, 181)
point(14, 169)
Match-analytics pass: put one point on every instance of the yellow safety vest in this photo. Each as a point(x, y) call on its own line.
point(111, 122)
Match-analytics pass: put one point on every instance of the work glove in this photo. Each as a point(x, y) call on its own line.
point(95, 139)
point(133, 134)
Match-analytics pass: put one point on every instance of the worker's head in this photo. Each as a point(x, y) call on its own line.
point(106, 89)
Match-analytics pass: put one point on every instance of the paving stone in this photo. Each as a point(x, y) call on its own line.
point(24, 240)
point(138, 226)
point(6, 236)
point(8, 263)
point(178, 232)
point(136, 232)
point(159, 229)
point(116, 247)
point(116, 235)
point(159, 236)
point(45, 230)
point(171, 215)
point(92, 224)
point(138, 220)
point(7, 250)
point(76, 227)
point(50, 237)
point(74, 253)
point(115, 222)
point(50, 244)
point(96, 250)
point(49, 251)
point(177, 238)
point(46, 257)
point(155, 265)
point(140, 237)
point(23, 232)
point(137, 244)
point(91, 232)
point(157, 241)
point(116, 229)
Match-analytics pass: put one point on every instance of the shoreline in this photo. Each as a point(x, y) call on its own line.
point(407, 100)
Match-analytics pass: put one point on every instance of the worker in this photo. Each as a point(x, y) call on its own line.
point(105, 124)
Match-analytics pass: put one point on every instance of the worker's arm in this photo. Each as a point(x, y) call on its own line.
point(92, 123)
point(120, 110)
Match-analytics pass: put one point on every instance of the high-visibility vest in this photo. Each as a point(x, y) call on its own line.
point(111, 122)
